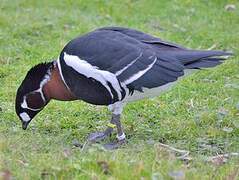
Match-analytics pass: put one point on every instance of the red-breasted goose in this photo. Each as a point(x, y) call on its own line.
point(109, 66)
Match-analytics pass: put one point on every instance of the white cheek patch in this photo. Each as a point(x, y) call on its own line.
point(25, 117)
point(25, 106)
point(40, 90)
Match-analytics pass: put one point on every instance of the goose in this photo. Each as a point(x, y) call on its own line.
point(110, 66)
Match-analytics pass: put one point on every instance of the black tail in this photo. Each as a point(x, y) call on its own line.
point(196, 59)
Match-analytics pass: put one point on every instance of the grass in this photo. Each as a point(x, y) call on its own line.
point(200, 114)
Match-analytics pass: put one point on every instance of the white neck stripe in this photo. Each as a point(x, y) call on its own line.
point(62, 78)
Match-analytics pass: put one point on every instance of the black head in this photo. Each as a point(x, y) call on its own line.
point(30, 98)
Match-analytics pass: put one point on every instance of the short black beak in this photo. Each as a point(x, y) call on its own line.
point(25, 124)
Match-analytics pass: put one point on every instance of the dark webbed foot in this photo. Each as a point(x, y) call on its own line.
point(97, 136)
point(115, 145)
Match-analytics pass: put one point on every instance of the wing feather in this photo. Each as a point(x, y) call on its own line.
point(128, 55)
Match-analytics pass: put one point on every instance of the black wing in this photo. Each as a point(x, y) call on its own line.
point(145, 38)
point(129, 55)
point(137, 59)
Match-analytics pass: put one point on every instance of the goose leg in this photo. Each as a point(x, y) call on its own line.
point(98, 136)
point(120, 135)
point(116, 110)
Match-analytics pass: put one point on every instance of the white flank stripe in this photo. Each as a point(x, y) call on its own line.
point(88, 70)
point(122, 70)
point(139, 74)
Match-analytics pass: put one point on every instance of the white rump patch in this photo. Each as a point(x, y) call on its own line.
point(140, 73)
point(25, 117)
point(94, 72)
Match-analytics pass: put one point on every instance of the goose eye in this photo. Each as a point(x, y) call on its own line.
point(34, 100)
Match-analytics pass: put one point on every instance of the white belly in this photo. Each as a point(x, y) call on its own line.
point(148, 93)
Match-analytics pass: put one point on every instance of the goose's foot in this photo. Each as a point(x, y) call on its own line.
point(99, 136)
point(116, 144)
point(114, 124)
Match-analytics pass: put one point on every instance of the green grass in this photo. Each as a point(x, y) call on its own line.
point(200, 114)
